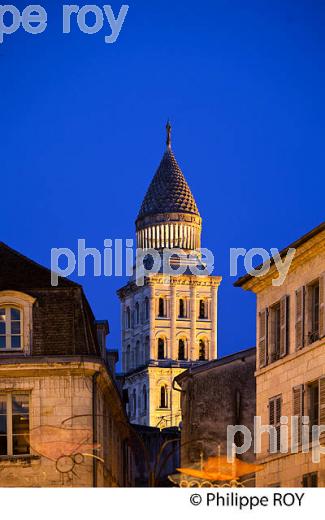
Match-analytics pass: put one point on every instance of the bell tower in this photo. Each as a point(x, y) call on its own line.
point(169, 323)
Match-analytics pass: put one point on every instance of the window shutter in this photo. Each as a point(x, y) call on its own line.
point(271, 335)
point(263, 319)
point(278, 403)
point(322, 306)
point(298, 407)
point(322, 405)
point(271, 412)
point(284, 325)
point(300, 308)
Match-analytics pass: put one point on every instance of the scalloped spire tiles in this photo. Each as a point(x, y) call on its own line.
point(168, 191)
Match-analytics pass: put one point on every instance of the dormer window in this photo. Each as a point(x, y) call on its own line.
point(16, 316)
point(10, 328)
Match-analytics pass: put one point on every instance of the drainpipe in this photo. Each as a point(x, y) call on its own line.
point(94, 418)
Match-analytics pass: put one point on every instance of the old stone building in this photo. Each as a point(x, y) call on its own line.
point(215, 395)
point(290, 369)
point(168, 323)
point(62, 422)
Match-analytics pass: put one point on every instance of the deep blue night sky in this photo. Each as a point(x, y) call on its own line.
point(82, 132)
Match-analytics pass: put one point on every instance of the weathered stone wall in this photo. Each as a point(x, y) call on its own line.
point(215, 396)
point(62, 397)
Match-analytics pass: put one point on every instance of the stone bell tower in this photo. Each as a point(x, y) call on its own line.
point(168, 323)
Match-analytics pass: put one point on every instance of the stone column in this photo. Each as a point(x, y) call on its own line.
point(193, 315)
point(152, 319)
point(173, 310)
point(214, 302)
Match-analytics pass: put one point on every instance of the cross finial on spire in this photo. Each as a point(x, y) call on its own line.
point(169, 131)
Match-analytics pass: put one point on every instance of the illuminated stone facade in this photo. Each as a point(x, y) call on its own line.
point(290, 372)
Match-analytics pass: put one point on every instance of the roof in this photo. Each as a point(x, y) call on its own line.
point(217, 363)
point(20, 271)
point(302, 240)
point(168, 191)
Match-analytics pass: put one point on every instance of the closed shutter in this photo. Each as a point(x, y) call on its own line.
point(322, 405)
point(300, 308)
point(263, 319)
point(274, 420)
point(278, 403)
point(298, 408)
point(284, 326)
point(322, 306)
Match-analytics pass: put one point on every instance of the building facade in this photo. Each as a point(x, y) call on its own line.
point(290, 369)
point(169, 322)
point(217, 394)
point(62, 421)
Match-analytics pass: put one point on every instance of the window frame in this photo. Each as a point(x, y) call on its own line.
point(8, 327)
point(24, 303)
point(9, 423)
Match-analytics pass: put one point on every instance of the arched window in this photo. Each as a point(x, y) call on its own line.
point(161, 348)
point(161, 308)
point(128, 318)
point(134, 403)
point(137, 354)
point(137, 313)
point(146, 308)
point(202, 353)
point(163, 397)
point(181, 313)
point(147, 349)
point(128, 358)
point(144, 398)
point(181, 350)
point(10, 328)
point(203, 310)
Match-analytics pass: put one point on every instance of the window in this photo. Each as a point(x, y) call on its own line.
point(10, 328)
point(181, 350)
point(144, 398)
point(274, 332)
point(147, 348)
point(163, 397)
point(203, 310)
point(137, 354)
point(146, 308)
point(161, 308)
point(313, 318)
point(134, 403)
point(137, 313)
point(128, 318)
point(14, 424)
point(181, 313)
point(310, 313)
point(128, 358)
point(275, 405)
point(202, 353)
point(161, 348)
point(310, 480)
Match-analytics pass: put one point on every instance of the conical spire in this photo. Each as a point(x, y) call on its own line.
point(168, 191)
point(168, 217)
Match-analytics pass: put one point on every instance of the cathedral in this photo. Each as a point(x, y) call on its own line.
point(169, 324)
